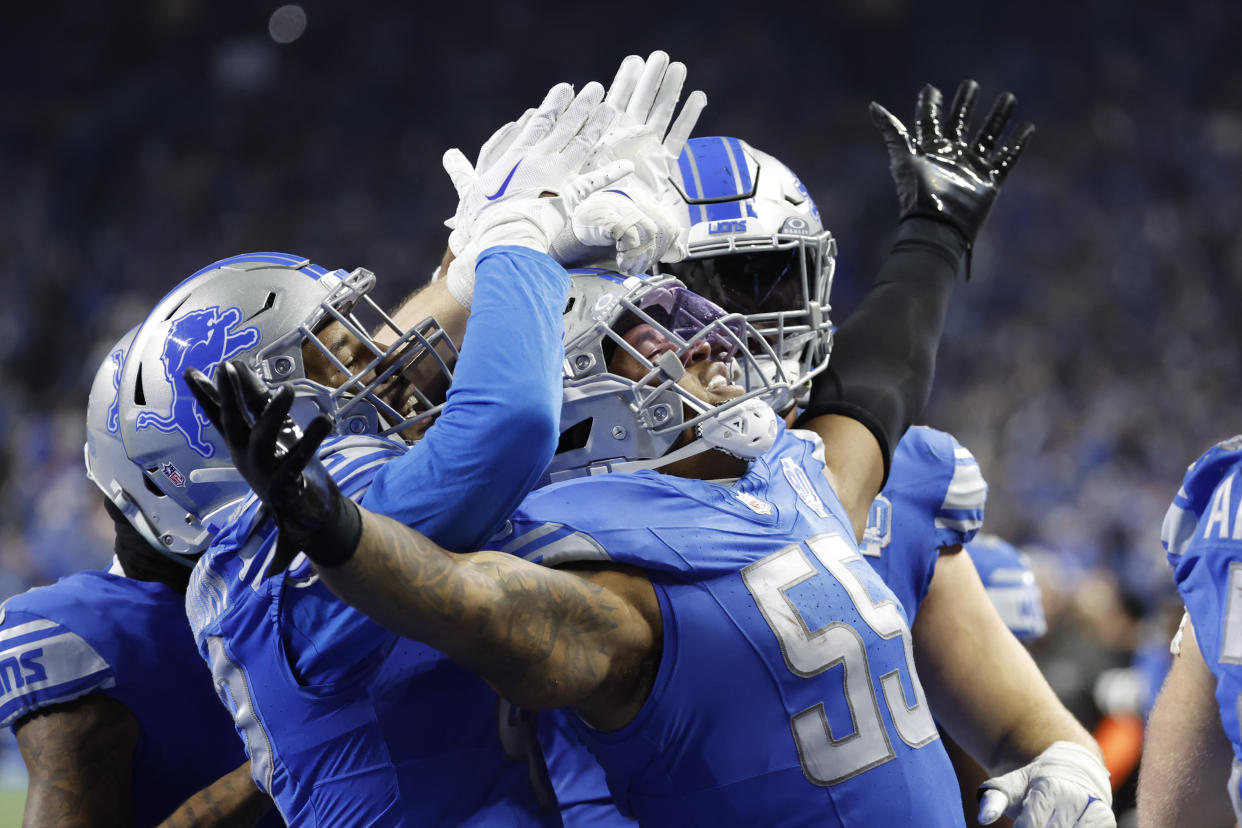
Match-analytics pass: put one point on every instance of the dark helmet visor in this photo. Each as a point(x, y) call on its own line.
point(768, 281)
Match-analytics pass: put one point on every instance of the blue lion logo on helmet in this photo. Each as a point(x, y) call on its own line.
point(201, 339)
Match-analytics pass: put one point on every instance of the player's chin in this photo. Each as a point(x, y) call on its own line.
point(722, 394)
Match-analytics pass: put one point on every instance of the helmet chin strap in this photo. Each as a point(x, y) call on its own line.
point(696, 446)
point(744, 431)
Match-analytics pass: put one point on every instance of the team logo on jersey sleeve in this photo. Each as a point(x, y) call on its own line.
point(201, 339)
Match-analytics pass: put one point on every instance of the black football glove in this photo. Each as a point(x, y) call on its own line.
point(279, 463)
point(942, 176)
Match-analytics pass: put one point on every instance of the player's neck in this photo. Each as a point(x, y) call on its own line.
point(710, 465)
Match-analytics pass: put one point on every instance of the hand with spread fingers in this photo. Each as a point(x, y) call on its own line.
point(537, 174)
point(637, 214)
point(940, 172)
point(279, 462)
point(621, 219)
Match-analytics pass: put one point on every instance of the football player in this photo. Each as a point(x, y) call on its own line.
point(757, 245)
point(1191, 770)
point(687, 618)
point(343, 721)
point(113, 710)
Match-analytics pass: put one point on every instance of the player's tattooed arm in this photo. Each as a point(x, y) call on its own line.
point(542, 637)
point(232, 801)
point(80, 758)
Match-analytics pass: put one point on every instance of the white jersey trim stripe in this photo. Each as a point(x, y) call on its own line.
point(27, 628)
point(530, 537)
point(958, 525)
point(575, 547)
point(967, 489)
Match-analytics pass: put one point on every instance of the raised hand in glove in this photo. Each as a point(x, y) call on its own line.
point(637, 216)
point(1066, 786)
point(279, 463)
point(645, 94)
point(538, 177)
point(939, 172)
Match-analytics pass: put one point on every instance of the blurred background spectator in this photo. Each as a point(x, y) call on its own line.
point(1089, 360)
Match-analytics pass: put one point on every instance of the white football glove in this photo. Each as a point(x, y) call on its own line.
point(630, 223)
point(502, 203)
point(645, 93)
point(1066, 786)
point(494, 147)
point(636, 220)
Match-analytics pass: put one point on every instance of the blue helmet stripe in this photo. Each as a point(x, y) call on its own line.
point(715, 168)
point(738, 159)
point(286, 259)
point(724, 210)
point(721, 180)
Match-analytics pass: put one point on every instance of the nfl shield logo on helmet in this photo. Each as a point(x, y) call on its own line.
point(173, 474)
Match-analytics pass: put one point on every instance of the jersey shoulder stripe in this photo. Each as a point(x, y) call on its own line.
point(966, 496)
point(934, 475)
point(553, 543)
point(42, 663)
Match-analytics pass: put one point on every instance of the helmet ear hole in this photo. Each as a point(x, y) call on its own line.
point(267, 306)
point(576, 436)
point(150, 485)
point(172, 312)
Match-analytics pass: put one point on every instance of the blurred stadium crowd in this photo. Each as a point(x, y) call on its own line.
point(1092, 358)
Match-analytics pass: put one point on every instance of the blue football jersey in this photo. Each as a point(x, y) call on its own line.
point(98, 632)
point(345, 722)
point(577, 779)
point(1202, 535)
point(1010, 582)
point(934, 497)
point(786, 692)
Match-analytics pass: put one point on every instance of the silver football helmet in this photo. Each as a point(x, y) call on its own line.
point(757, 247)
point(107, 465)
point(296, 323)
point(611, 422)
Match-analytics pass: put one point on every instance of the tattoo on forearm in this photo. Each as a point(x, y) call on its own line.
point(519, 625)
point(232, 801)
point(80, 759)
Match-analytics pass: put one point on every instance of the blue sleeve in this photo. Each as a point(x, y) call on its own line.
point(499, 427)
point(44, 663)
